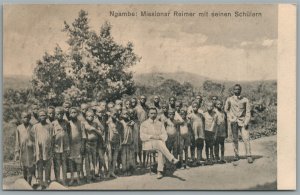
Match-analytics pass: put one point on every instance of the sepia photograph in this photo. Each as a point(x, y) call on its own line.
point(140, 97)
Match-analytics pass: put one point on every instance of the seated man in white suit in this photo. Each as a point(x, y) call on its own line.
point(153, 136)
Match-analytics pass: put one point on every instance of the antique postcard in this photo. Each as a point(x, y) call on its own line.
point(149, 97)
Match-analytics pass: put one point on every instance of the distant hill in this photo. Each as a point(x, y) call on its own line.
point(16, 82)
point(156, 78)
point(146, 79)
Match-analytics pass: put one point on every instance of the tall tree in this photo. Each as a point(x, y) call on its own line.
point(50, 78)
point(94, 66)
point(99, 64)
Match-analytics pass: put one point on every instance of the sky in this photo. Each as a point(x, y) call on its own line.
point(223, 48)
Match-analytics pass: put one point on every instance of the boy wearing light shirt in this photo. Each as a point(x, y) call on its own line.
point(210, 123)
point(239, 114)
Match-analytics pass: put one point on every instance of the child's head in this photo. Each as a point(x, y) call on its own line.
point(219, 104)
point(127, 104)
point(25, 117)
point(195, 106)
point(51, 112)
point(84, 108)
point(171, 114)
point(209, 106)
point(100, 111)
point(199, 99)
point(114, 113)
point(59, 113)
point(42, 115)
point(93, 106)
point(102, 104)
point(143, 99)
point(156, 99)
point(119, 109)
point(119, 103)
point(35, 108)
point(178, 105)
point(133, 102)
point(67, 106)
point(89, 115)
point(164, 107)
point(237, 89)
point(110, 105)
point(125, 115)
point(183, 113)
point(172, 101)
point(73, 113)
point(214, 99)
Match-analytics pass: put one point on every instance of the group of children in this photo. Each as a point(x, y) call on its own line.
point(100, 138)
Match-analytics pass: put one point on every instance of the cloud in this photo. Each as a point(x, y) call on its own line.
point(217, 48)
point(258, 44)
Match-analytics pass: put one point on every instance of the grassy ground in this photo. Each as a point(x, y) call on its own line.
point(261, 175)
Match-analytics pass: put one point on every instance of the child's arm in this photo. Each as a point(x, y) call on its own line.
point(52, 143)
point(53, 135)
point(17, 146)
point(89, 128)
point(226, 125)
point(190, 129)
point(215, 123)
point(248, 114)
point(227, 105)
point(213, 126)
point(98, 130)
point(36, 144)
point(68, 139)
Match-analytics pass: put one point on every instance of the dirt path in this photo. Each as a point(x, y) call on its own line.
point(259, 175)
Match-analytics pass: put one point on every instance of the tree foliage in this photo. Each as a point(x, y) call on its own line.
point(99, 64)
point(50, 78)
point(93, 66)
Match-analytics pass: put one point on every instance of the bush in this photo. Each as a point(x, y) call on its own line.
point(8, 143)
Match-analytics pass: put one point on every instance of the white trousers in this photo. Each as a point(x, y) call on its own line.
point(163, 153)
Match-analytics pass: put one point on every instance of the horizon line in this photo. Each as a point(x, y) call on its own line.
point(157, 72)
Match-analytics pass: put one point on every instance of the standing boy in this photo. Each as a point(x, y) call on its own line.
point(91, 137)
point(115, 129)
point(136, 133)
point(185, 132)
point(142, 115)
point(221, 131)
point(100, 119)
point(172, 132)
point(239, 114)
point(76, 146)
point(24, 147)
point(61, 146)
point(198, 136)
point(210, 122)
point(43, 147)
point(128, 160)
